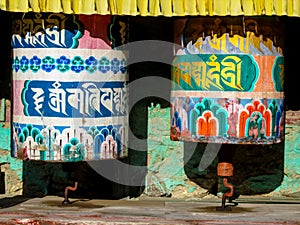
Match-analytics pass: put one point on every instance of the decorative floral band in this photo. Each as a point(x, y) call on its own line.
point(63, 63)
point(69, 143)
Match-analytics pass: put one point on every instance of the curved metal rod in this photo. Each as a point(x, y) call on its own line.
point(225, 195)
point(67, 189)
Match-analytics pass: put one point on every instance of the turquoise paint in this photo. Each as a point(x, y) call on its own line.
point(166, 163)
point(15, 164)
point(291, 182)
point(192, 189)
point(277, 73)
point(164, 160)
point(206, 63)
point(5, 138)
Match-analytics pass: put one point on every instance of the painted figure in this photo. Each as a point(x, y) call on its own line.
point(256, 126)
point(233, 107)
point(176, 127)
point(25, 153)
point(188, 105)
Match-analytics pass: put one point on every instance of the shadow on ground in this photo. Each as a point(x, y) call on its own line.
point(12, 201)
point(257, 169)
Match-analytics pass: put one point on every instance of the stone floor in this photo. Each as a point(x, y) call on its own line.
point(145, 210)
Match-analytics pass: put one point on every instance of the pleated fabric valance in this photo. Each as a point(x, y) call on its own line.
point(158, 7)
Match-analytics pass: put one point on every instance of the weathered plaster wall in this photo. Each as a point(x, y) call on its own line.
point(11, 168)
point(291, 183)
point(267, 170)
point(166, 175)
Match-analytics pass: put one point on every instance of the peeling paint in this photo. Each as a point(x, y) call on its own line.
point(5, 138)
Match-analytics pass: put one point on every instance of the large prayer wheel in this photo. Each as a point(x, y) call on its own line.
point(69, 87)
point(228, 80)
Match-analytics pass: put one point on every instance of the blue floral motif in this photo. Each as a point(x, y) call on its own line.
point(48, 64)
point(115, 65)
point(77, 63)
point(35, 64)
point(104, 65)
point(24, 62)
point(91, 63)
point(16, 64)
point(123, 66)
point(63, 64)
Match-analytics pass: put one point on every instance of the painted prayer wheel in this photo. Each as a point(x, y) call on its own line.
point(227, 80)
point(69, 87)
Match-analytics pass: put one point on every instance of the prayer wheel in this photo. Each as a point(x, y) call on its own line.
point(69, 87)
point(227, 80)
point(227, 85)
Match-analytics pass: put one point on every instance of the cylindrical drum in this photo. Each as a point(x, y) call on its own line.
point(227, 80)
point(69, 88)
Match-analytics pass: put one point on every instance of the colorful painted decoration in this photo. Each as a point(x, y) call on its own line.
point(227, 88)
point(69, 94)
point(37, 30)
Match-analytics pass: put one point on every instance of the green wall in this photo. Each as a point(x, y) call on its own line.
point(272, 170)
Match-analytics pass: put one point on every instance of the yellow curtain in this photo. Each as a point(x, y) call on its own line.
point(235, 8)
point(166, 7)
point(222, 10)
point(102, 7)
point(154, 7)
point(158, 7)
point(143, 7)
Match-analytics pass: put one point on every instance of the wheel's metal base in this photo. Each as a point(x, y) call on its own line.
point(223, 208)
point(66, 202)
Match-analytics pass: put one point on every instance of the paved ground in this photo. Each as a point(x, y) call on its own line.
point(49, 210)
